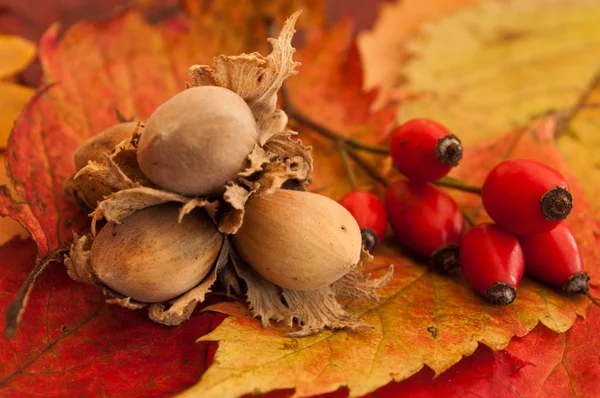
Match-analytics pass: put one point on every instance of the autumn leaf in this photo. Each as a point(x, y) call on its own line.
point(75, 343)
point(331, 67)
point(15, 54)
point(384, 48)
point(423, 318)
point(500, 69)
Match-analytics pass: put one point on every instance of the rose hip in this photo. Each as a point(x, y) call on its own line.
point(424, 150)
point(553, 257)
point(526, 197)
point(370, 214)
point(492, 261)
point(426, 220)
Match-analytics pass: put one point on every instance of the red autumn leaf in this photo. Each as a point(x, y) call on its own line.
point(75, 344)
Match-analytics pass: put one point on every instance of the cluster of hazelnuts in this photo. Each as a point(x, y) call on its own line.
point(212, 187)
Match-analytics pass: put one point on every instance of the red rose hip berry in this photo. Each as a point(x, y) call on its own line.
point(369, 212)
point(553, 257)
point(426, 220)
point(526, 197)
point(424, 150)
point(492, 261)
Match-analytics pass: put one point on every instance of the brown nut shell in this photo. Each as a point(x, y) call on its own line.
point(151, 258)
point(197, 141)
point(95, 148)
point(298, 240)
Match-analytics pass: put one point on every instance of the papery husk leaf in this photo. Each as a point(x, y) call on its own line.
point(264, 297)
point(284, 146)
point(77, 261)
point(258, 158)
point(124, 203)
point(280, 172)
point(255, 78)
point(234, 198)
point(122, 301)
point(229, 279)
point(181, 308)
point(317, 310)
point(357, 285)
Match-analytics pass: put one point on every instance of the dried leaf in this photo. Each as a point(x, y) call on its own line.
point(125, 202)
point(264, 298)
point(78, 261)
point(235, 198)
point(357, 285)
point(317, 310)
point(258, 158)
point(255, 78)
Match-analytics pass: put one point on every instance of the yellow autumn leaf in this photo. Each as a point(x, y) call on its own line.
point(15, 54)
point(486, 69)
point(383, 48)
point(580, 144)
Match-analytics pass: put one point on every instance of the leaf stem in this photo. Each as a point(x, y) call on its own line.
point(16, 307)
point(293, 113)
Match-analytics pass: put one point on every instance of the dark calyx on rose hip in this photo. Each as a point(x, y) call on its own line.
point(424, 150)
point(492, 261)
point(554, 258)
point(370, 214)
point(426, 220)
point(526, 197)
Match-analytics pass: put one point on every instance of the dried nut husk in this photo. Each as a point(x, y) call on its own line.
point(197, 141)
point(298, 240)
point(89, 190)
point(95, 148)
point(151, 257)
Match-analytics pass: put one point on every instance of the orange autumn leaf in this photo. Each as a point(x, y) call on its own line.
point(423, 319)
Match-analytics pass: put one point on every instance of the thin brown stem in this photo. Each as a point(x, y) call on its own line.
point(377, 149)
point(592, 299)
point(566, 117)
point(293, 113)
point(348, 166)
point(455, 183)
point(374, 174)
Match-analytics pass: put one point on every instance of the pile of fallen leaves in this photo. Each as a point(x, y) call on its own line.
point(70, 340)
